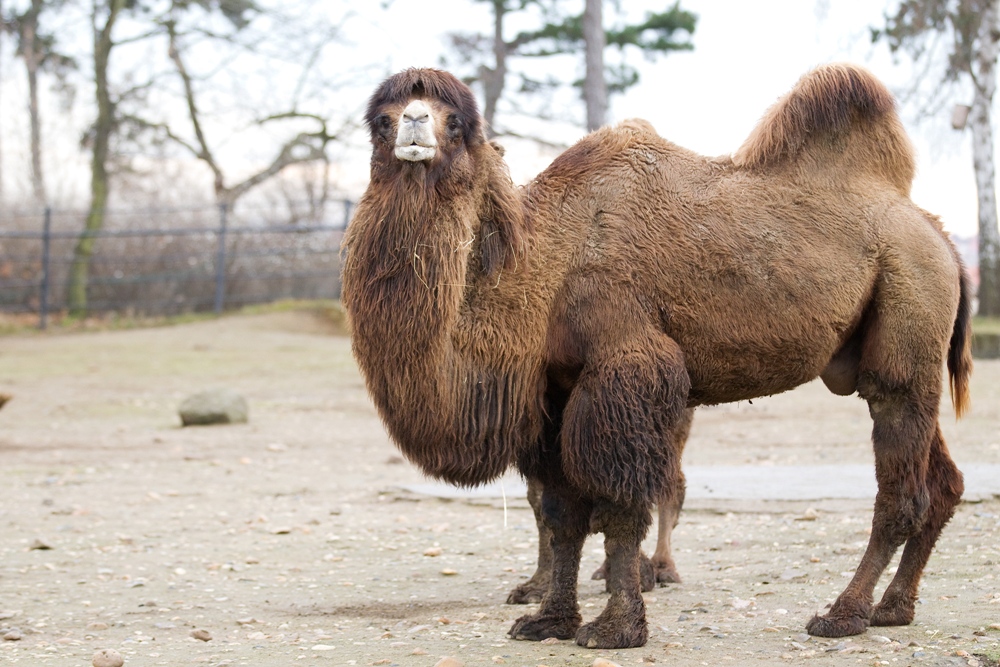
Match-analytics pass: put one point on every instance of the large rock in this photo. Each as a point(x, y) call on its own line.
point(218, 406)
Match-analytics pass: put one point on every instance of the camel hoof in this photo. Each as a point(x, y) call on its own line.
point(893, 612)
point(536, 627)
point(527, 593)
point(836, 626)
point(666, 573)
point(612, 635)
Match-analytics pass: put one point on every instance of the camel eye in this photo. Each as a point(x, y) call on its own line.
point(383, 122)
point(454, 125)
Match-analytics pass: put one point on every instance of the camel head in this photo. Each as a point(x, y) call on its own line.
point(426, 131)
point(423, 116)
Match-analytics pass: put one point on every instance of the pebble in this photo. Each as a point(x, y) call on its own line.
point(202, 635)
point(550, 640)
point(39, 545)
point(7, 613)
point(434, 551)
point(993, 626)
point(13, 635)
point(448, 661)
point(448, 572)
point(323, 647)
point(108, 657)
point(602, 662)
point(97, 625)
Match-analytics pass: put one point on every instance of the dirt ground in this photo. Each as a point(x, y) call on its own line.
point(288, 540)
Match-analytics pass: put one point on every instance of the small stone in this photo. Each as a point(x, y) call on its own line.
point(448, 572)
point(602, 662)
point(39, 545)
point(434, 551)
point(418, 651)
point(550, 640)
point(13, 635)
point(449, 661)
point(250, 620)
point(8, 613)
point(880, 639)
point(683, 617)
point(97, 625)
point(108, 657)
point(216, 406)
point(202, 635)
point(993, 626)
point(919, 654)
point(323, 647)
point(809, 515)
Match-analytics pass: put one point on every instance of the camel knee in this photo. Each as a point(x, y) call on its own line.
point(902, 517)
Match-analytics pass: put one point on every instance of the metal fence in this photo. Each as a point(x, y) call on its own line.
point(155, 262)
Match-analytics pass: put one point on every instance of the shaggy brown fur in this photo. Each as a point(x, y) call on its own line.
point(568, 335)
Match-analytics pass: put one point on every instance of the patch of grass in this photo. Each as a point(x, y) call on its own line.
point(986, 325)
point(330, 310)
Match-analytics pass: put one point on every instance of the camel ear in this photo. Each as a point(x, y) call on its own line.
point(503, 223)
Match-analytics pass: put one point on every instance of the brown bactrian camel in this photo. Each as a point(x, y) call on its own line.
point(567, 328)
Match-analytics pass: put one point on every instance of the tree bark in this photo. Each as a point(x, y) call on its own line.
point(595, 90)
point(980, 123)
point(32, 63)
point(99, 186)
point(495, 78)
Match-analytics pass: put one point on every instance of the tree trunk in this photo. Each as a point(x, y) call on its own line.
point(980, 122)
point(103, 127)
point(32, 63)
point(595, 90)
point(1, 138)
point(495, 78)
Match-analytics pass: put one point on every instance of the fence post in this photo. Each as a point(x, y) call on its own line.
point(43, 298)
point(220, 259)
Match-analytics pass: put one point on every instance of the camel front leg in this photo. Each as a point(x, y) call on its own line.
point(568, 518)
point(534, 589)
point(622, 624)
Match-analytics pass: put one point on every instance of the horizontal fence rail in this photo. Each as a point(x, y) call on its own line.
point(158, 262)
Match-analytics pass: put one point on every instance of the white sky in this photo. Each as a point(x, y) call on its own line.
point(746, 55)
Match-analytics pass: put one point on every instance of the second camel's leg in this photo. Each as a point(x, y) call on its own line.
point(533, 590)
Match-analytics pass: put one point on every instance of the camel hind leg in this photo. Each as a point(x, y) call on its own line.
point(670, 510)
point(945, 487)
point(899, 374)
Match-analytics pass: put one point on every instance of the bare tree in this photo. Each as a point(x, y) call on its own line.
point(103, 19)
point(968, 34)
point(38, 51)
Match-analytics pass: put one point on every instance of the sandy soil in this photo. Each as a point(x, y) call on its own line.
point(288, 541)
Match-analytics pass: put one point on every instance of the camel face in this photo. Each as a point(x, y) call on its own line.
point(415, 140)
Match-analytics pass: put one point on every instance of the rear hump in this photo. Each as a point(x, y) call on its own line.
point(834, 101)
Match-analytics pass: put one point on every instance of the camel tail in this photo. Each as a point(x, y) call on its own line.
point(959, 351)
point(842, 111)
